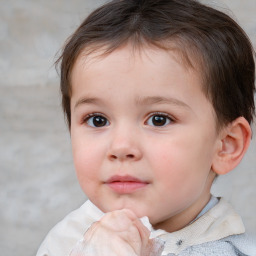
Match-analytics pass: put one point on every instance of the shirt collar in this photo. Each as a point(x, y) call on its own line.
point(219, 222)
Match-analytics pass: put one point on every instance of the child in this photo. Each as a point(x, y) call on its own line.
point(159, 97)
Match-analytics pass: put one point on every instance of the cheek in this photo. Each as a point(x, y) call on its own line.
point(169, 165)
point(87, 171)
point(86, 157)
point(177, 180)
point(181, 160)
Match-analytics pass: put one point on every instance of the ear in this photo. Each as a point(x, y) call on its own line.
point(233, 142)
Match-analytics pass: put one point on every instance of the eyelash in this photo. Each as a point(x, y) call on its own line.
point(161, 114)
point(87, 118)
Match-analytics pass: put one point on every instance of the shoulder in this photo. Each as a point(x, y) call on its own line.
point(235, 245)
point(243, 243)
point(63, 237)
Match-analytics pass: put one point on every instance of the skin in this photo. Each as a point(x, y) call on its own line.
point(173, 160)
point(128, 236)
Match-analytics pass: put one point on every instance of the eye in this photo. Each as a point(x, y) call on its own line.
point(97, 121)
point(159, 120)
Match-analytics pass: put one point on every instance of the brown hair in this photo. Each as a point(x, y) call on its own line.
point(227, 56)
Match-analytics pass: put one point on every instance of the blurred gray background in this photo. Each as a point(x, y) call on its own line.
point(38, 185)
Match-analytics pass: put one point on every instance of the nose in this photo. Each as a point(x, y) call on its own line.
point(124, 146)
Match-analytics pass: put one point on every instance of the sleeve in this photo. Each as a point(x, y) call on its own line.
point(60, 240)
point(64, 236)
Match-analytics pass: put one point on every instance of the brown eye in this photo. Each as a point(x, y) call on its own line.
point(159, 120)
point(97, 121)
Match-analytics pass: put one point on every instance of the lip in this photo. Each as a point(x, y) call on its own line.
point(125, 184)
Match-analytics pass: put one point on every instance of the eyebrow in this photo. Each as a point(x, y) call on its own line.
point(160, 100)
point(138, 101)
point(87, 101)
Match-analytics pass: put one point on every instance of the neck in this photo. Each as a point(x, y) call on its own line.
point(183, 218)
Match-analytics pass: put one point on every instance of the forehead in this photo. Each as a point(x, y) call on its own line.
point(178, 51)
point(147, 72)
point(123, 59)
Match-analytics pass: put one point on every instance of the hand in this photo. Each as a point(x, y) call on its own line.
point(118, 233)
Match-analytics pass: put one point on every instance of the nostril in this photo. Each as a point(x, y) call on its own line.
point(128, 156)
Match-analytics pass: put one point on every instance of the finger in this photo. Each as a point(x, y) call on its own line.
point(101, 241)
point(138, 233)
point(143, 232)
point(124, 220)
point(119, 220)
point(125, 224)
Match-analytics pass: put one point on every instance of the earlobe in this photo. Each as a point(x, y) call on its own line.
point(233, 143)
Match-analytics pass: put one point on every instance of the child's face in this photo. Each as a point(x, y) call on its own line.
point(143, 135)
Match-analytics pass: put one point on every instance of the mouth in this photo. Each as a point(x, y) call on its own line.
point(125, 184)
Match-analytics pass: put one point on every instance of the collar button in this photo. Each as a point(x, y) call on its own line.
point(179, 242)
